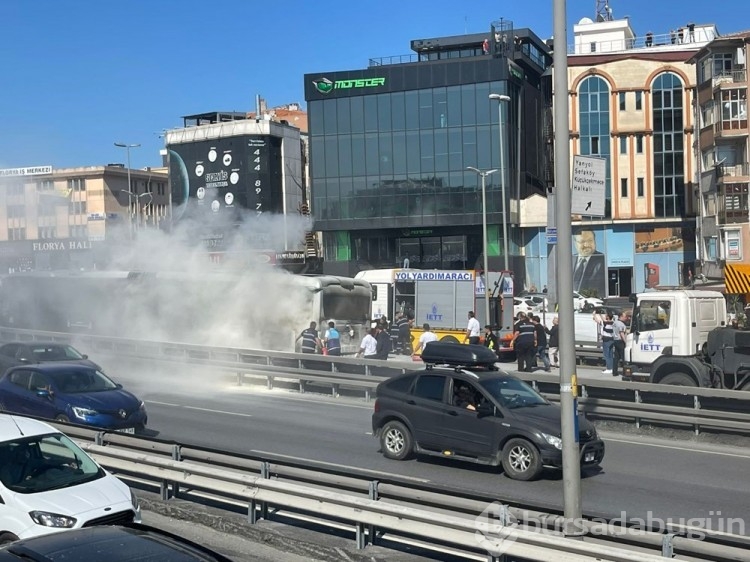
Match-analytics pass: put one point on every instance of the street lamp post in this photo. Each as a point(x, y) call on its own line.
point(137, 204)
point(483, 175)
point(127, 148)
point(500, 99)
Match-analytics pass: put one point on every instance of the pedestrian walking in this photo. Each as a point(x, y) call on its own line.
point(490, 339)
point(541, 342)
point(608, 343)
point(598, 317)
point(369, 346)
point(384, 346)
point(554, 342)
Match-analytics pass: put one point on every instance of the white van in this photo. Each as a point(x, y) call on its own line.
point(49, 484)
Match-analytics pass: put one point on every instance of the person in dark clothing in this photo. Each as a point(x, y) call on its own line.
point(541, 342)
point(384, 343)
point(554, 342)
point(490, 339)
point(403, 329)
point(310, 340)
point(524, 342)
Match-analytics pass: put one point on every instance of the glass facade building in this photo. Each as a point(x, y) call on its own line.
point(390, 147)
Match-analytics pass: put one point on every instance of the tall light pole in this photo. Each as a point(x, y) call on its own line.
point(500, 98)
point(483, 175)
point(127, 148)
point(137, 204)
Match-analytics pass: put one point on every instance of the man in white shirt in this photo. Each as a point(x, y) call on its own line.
point(425, 338)
point(369, 345)
point(472, 330)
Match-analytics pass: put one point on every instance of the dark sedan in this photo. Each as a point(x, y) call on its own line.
point(110, 543)
point(26, 353)
point(71, 393)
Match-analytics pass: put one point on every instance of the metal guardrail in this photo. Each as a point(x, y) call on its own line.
point(698, 408)
point(386, 507)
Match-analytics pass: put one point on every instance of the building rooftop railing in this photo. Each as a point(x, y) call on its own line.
point(674, 40)
point(396, 59)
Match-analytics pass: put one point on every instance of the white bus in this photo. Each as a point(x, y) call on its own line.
point(262, 309)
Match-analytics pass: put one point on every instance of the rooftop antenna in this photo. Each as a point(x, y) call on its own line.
point(603, 11)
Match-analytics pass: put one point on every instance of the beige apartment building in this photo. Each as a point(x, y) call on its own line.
point(631, 100)
point(76, 217)
point(723, 156)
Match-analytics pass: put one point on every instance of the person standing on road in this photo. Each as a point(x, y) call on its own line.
point(472, 329)
point(383, 347)
point(332, 340)
point(369, 346)
point(608, 342)
point(618, 334)
point(524, 342)
point(425, 338)
point(490, 339)
point(403, 328)
point(554, 342)
point(541, 342)
point(310, 340)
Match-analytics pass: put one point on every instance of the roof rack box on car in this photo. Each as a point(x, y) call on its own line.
point(458, 355)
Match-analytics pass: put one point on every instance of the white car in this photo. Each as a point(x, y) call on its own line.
point(586, 304)
point(49, 484)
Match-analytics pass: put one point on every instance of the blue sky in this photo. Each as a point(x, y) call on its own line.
point(79, 75)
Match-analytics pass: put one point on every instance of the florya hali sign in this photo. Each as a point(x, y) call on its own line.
point(61, 246)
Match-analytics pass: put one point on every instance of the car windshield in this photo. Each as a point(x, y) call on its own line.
point(45, 462)
point(55, 353)
point(513, 393)
point(76, 381)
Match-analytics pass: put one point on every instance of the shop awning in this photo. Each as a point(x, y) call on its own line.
point(737, 278)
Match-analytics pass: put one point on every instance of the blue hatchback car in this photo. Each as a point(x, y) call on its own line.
point(73, 393)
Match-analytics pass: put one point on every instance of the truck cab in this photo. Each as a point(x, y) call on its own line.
point(668, 326)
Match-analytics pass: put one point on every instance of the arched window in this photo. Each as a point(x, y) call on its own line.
point(593, 95)
point(669, 162)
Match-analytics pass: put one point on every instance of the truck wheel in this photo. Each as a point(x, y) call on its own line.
point(395, 441)
point(521, 460)
point(678, 379)
point(448, 339)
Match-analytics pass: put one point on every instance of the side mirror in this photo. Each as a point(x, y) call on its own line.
point(42, 393)
point(85, 356)
point(118, 385)
point(485, 409)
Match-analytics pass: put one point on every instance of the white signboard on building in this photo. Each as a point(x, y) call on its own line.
point(589, 186)
point(32, 171)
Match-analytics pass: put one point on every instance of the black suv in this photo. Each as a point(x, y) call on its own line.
point(469, 410)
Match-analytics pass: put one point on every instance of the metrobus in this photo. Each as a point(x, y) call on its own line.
point(440, 298)
point(263, 309)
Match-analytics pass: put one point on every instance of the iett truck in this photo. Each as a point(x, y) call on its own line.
point(680, 337)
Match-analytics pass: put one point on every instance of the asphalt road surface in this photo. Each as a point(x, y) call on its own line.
point(640, 476)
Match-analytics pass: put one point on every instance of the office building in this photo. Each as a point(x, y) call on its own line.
point(391, 143)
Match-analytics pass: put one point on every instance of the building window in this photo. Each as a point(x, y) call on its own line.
point(77, 207)
point(733, 204)
point(622, 101)
point(15, 189)
point(623, 145)
point(16, 211)
point(47, 232)
point(77, 184)
point(641, 187)
point(16, 234)
point(639, 144)
point(623, 187)
point(639, 101)
point(594, 119)
point(593, 46)
point(711, 248)
point(45, 185)
point(46, 210)
point(734, 109)
point(668, 125)
point(722, 65)
point(78, 231)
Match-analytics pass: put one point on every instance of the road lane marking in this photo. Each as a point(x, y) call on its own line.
point(200, 409)
point(412, 478)
point(683, 449)
point(312, 400)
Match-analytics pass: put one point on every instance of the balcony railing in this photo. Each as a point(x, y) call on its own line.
point(735, 170)
point(738, 76)
point(397, 59)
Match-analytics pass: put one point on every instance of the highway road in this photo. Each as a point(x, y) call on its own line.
point(640, 476)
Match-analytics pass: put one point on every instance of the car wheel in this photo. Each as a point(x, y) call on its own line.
point(7, 538)
point(521, 460)
point(678, 379)
point(62, 418)
point(395, 441)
